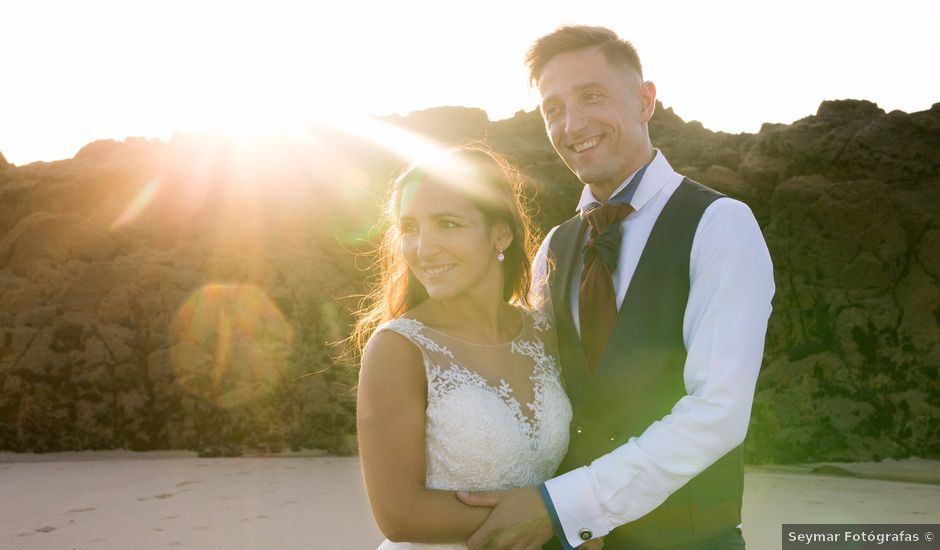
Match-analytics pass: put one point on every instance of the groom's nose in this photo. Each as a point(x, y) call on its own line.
point(575, 119)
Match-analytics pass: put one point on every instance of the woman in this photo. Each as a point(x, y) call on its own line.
point(459, 388)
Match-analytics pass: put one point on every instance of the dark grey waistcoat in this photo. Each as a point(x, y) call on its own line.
point(640, 374)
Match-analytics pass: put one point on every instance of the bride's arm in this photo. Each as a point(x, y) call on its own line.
point(391, 424)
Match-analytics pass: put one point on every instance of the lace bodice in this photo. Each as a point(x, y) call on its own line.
point(479, 436)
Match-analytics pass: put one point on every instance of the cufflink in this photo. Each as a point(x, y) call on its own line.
point(585, 534)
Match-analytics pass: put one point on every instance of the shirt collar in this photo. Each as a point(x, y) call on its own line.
point(657, 174)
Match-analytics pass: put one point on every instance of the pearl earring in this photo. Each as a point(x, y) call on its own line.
point(500, 256)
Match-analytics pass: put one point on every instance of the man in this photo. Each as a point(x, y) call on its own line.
point(661, 290)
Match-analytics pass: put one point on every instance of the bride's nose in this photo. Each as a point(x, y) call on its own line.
point(428, 244)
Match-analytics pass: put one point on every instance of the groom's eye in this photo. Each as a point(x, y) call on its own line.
point(591, 96)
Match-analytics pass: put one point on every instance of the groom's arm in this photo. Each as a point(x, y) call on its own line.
point(723, 330)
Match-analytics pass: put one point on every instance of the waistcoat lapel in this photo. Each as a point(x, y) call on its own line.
point(563, 250)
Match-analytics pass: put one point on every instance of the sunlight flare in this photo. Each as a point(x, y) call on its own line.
point(138, 204)
point(230, 345)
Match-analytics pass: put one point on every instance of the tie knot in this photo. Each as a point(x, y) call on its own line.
point(602, 216)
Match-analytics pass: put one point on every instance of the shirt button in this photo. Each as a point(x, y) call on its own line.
point(579, 429)
point(611, 438)
point(585, 534)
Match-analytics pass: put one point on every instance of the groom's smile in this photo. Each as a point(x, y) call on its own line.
point(585, 145)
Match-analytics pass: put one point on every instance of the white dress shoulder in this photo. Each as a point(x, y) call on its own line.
point(479, 437)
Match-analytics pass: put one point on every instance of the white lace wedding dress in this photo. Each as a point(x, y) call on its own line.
point(479, 437)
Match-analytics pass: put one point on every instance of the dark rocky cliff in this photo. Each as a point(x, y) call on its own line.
point(175, 295)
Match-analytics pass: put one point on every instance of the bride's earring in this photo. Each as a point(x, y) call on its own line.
point(500, 256)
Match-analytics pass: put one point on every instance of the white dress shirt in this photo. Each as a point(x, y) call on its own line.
point(723, 329)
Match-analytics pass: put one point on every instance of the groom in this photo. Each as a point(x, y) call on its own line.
point(661, 290)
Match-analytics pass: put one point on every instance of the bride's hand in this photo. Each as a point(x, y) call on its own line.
point(593, 544)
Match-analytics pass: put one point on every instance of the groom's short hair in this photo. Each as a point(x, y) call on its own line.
point(617, 51)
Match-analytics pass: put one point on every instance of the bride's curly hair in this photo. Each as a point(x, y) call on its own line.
point(489, 181)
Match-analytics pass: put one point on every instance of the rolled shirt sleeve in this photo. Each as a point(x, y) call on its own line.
point(723, 329)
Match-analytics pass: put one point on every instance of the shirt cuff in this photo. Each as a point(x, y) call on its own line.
point(575, 505)
point(550, 506)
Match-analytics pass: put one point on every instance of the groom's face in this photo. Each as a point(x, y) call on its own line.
point(595, 115)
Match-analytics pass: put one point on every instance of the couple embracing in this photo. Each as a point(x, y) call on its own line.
point(597, 399)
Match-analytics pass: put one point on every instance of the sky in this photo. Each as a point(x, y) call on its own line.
point(74, 72)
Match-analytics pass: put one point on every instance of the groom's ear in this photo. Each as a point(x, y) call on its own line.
point(647, 96)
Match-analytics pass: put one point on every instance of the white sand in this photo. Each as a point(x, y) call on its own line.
point(123, 500)
point(772, 499)
point(130, 502)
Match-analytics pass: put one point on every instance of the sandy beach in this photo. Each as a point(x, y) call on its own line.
point(121, 500)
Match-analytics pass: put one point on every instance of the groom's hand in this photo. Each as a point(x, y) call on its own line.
point(518, 520)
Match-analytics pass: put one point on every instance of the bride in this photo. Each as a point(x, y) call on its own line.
point(459, 388)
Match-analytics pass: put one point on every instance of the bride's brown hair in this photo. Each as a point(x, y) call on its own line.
point(487, 180)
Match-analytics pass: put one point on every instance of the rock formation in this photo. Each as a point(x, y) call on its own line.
point(180, 295)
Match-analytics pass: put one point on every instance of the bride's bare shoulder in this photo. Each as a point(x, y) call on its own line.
point(391, 354)
point(391, 374)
